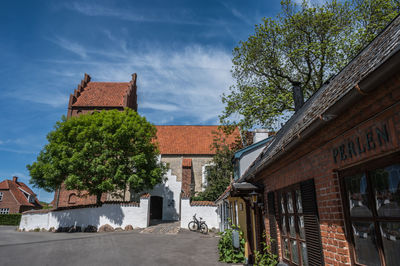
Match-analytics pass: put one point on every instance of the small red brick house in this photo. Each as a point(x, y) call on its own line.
point(16, 197)
point(331, 177)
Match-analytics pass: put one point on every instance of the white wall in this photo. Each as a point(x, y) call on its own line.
point(208, 213)
point(248, 158)
point(170, 192)
point(116, 215)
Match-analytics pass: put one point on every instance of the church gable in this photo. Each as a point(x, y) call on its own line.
point(90, 96)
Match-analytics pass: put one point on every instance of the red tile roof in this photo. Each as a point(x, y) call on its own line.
point(4, 185)
point(202, 203)
point(187, 162)
point(189, 139)
point(103, 94)
point(15, 188)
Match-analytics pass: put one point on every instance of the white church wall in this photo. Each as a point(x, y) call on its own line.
point(208, 213)
point(116, 215)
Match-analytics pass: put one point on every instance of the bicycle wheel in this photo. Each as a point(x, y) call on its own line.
point(192, 226)
point(204, 229)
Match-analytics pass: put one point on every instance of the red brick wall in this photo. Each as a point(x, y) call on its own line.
point(314, 159)
point(186, 180)
point(9, 201)
point(81, 199)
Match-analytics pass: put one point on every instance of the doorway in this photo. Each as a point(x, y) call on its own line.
point(156, 204)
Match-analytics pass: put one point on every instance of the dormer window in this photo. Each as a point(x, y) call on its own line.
point(31, 199)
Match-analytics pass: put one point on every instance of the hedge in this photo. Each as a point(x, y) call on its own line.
point(10, 219)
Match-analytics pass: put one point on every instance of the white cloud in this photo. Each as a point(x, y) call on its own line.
point(53, 98)
point(174, 15)
point(71, 46)
point(184, 84)
point(17, 151)
point(236, 13)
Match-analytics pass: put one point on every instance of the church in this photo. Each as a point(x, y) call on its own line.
point(185, 149)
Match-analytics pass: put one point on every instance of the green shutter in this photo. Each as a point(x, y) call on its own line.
point(272, 222)
point(311, 223)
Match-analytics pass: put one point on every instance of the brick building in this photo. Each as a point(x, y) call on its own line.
point(16, 197)
point(331, 177)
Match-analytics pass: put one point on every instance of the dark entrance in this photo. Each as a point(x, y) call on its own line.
point(156, 204)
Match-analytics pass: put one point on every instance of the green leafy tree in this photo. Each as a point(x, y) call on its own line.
point(305, 44)
point(220, 172)
point(100, 152)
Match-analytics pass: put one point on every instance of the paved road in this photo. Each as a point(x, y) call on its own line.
point(118, 248)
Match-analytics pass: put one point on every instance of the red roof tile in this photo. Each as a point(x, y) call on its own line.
point(4, 185)
point(202, 203)
point(103, 94)
point(187, 163)
point(189, 139)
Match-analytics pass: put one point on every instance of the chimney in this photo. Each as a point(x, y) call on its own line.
point(15, 179)
point(298, 97)
point(260, 134)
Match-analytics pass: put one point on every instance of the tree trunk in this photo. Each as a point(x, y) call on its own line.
point(98, 199)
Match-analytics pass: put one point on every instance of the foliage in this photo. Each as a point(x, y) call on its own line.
point(10, 219)
point(100, 152)
point(265, 257)
point(219, 173)
point(227, 252)
point(305, 44)
point(45, 205)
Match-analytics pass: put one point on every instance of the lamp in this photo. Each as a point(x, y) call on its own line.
point(254, 197)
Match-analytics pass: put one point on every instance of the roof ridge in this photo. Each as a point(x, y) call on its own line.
point(122, 82)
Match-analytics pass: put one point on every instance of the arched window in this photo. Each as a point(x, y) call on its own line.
point(72, 198)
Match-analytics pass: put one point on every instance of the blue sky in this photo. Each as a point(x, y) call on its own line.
point(181, 51)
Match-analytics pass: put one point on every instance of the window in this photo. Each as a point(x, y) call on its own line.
point(204, 171)
point(1, 196)
point(4, 211)
point(294, 245)
point(297, 218)
point(31, 199)
point(372, 200)
point(72, 198)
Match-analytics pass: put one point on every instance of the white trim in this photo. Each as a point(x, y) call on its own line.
point(1, 196)
point(24, 191)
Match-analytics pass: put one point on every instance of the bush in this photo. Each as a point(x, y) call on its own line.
point(10, 219)
point(265, 257)
point(197, 198)
point(227, 252)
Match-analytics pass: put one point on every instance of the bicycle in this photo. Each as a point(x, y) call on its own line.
point(197, 225)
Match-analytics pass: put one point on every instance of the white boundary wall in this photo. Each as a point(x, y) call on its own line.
point(208, 213)
point(116, 215)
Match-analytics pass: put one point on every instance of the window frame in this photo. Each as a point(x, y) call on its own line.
point(4, 210)
point(1, 195)
point(365, 169)
point(284, 191)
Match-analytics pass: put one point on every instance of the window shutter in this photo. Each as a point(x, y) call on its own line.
point(272, 222)
point(311, 223)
